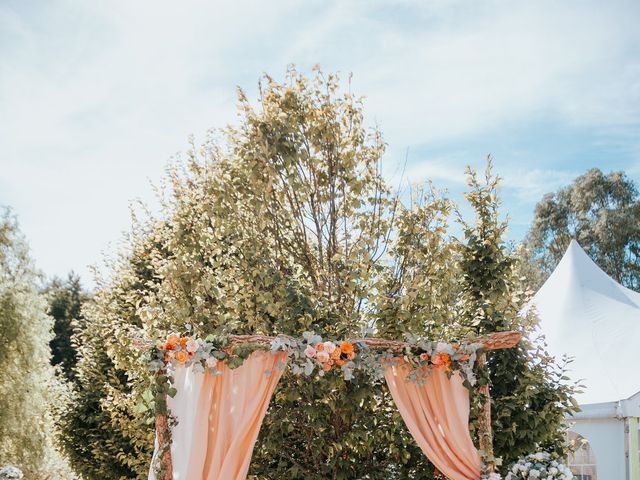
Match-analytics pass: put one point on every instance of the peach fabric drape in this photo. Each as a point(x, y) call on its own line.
point(437, 415)
point(219, 417)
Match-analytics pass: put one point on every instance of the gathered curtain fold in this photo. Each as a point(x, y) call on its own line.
point(436, 413)
point(219, 417)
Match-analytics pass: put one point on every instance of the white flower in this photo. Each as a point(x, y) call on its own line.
point(310, 352)
point(192, 346)
point(533, 473)
point(553, 470)
point(441, 347)
point(212, 362)
point(329, 347)
point(539, 456)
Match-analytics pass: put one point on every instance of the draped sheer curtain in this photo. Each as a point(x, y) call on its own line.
point(219, 417)
point(437, 415)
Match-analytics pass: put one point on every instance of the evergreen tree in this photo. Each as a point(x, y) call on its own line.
point(529, 397)
point(97, 427)
point(65, 303)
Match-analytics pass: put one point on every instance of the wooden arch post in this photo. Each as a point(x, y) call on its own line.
point(495, 341)
point(485, 429)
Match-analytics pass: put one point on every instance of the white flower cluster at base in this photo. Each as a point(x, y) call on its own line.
point(492, 476)
point(10, 473)
point(539, 466)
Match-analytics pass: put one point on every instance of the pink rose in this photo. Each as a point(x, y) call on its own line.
point(424, 356)
point(329, 347)
point(310, 352)
point(322, 357)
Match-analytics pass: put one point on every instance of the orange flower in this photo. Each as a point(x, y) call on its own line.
point(183, 341)
point(336, 353)
point(182, 356)
point(320, 347)
point(340, 362)
point(455, 345)
point(173, 339)
point(170, 346)
point(168, 356)
point(326, 367)
point(351, 356)
point(442, 360)
point(346, 347)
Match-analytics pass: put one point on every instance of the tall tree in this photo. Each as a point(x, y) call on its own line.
point(529, 395)
point(285, 226)
point(27, 384)
point(602, 212)
point(65, 304)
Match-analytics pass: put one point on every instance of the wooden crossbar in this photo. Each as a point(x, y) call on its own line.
point(494, 341)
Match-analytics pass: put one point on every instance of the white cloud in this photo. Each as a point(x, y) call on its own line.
point(529, 185)
point(95, 97)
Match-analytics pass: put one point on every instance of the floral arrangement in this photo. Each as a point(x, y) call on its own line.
point(424, 355)
point(307, 355)
point(541, 466)
point(313, 353)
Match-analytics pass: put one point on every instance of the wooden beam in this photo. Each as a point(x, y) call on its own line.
point(495, 341)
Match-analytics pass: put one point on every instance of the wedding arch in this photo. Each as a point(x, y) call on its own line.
point(210, 401)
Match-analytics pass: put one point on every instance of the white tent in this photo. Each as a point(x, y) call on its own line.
point(587, 315)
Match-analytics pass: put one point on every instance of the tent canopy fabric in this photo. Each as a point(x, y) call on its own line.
point(587, 315)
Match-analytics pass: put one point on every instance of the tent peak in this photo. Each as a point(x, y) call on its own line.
point(577, 261)
point(587, 315)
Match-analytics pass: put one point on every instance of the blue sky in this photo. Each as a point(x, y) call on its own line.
point(95, 97)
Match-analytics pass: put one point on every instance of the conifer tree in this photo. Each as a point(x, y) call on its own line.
point(529, 397)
